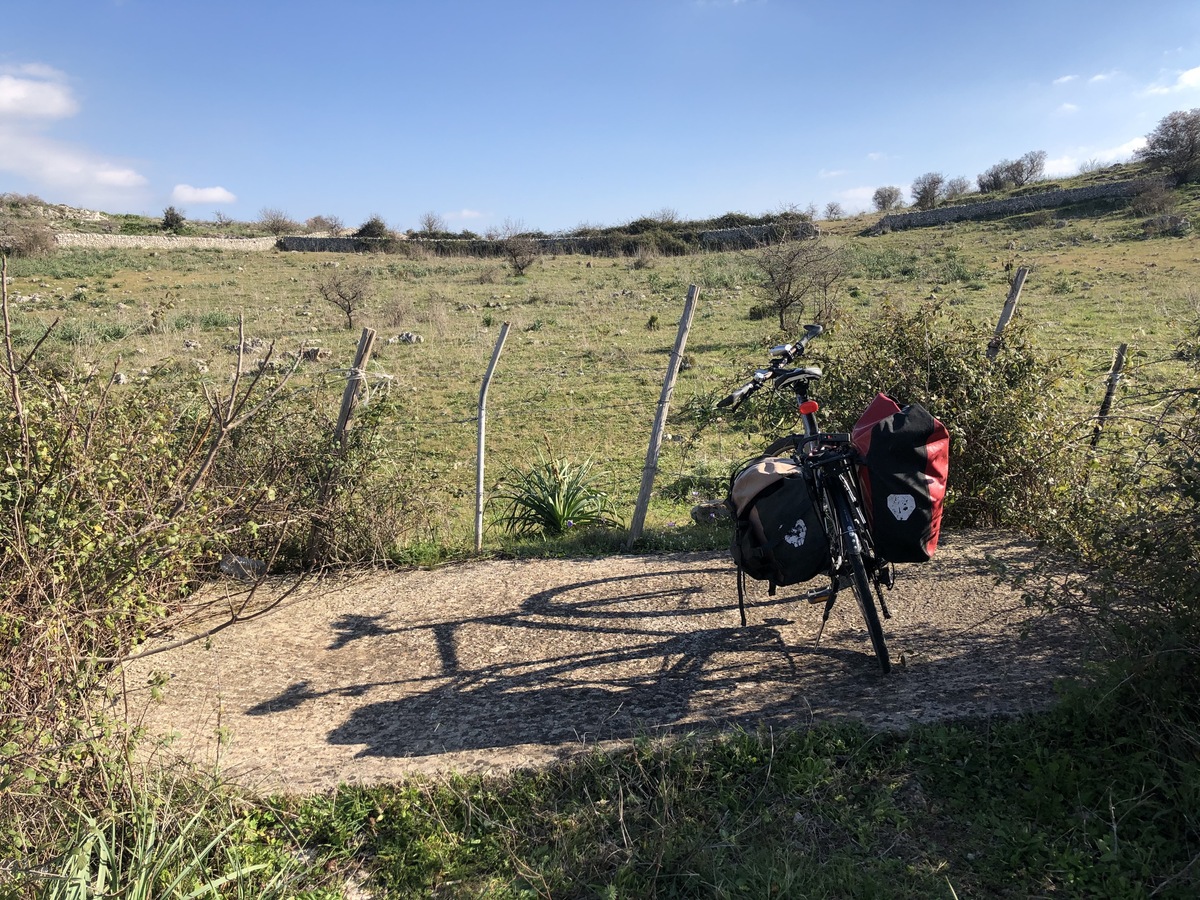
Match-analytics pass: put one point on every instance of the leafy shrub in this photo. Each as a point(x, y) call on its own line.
point(374, 227)
point(552, 497)
point(172, 219)
point(1007, 417)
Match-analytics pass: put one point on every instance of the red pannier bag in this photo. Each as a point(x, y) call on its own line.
point(906, 460)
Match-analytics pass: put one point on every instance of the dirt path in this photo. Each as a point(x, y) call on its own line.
point(491, 665)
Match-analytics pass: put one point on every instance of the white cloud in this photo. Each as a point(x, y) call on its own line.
point(465, 214)
point(1065, 79)
point(877, 156)
point(1068, 164)
point(35, 92)
point(857, 199)
point(1101, 77)
point(1067, 108)
point(185, 193)
point(831, 173)
point(31, 97)
point(1188, 80)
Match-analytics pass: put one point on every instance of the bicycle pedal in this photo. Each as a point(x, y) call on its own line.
point(818, 596)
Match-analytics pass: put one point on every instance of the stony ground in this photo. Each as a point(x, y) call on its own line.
point(496, 664)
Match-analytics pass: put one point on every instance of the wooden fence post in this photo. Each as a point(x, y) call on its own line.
point(1114, 376)
point(354, 384)
point(1010, 307)
point(483, 392)
point(660, 419)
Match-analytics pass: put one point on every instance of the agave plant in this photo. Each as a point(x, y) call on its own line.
point(553, 497)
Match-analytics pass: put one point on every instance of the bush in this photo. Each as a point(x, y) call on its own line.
point(374, 227)
point(26, 239)
point(1007, 418)
point(172, 219)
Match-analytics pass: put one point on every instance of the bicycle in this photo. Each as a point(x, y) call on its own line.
point(830, 463)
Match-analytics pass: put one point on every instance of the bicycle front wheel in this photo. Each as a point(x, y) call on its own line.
point(861, 583)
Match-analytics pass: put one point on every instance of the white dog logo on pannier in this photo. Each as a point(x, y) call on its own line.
point(796, 536)
point(902, 506)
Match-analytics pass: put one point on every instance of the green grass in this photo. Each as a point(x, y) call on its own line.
point(1032, 807)
point(580, 369)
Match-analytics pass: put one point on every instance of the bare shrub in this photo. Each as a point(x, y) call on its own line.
point(520, 247)
point(833, 210)
point(793, 273)
point(1010, 173)
point(401, 311)
point(1153, 198)
point(432, 223)
point(276, 222)
point(348, 290)
point(25, 239)
point(330, 225)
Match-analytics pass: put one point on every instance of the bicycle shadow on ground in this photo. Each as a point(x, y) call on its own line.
point(613, 658)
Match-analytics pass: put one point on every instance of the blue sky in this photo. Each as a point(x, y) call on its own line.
point(557, 113)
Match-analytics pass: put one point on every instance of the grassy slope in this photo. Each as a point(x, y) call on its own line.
point(581, 372)
point(1068, 804)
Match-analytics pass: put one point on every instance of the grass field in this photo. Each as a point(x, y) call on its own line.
point(1095, 799)
point(590, 337)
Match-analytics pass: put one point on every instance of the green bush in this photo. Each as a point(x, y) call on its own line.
point(1008, 418)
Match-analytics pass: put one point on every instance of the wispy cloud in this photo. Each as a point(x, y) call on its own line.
point(206, 196)
point(1188, 80)
point(877, 156)
point(1066, 79)
point(464, 214)
point(857, 199)
point(1100, 77)
point(32, 96)
point(832, 173)
point(1067, 108)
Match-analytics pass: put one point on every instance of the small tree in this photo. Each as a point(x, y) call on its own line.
point(432, 223)
point(520, 247)
point(928, 190)
point(172, 219)
point(374, 227)
point(349, 291)
point(1174, 145)
point(833, 210)
point(793, 272)
point(275, 221)
point(886, 198)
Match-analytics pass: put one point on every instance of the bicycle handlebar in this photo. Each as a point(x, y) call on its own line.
point(781, 356)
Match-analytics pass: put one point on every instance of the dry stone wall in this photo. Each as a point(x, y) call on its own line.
point(159, 242)
point(1012, 206)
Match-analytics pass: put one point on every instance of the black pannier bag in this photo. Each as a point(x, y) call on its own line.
point(778, 535)
point(906, 460)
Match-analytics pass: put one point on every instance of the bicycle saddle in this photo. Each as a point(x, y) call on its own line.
point(804, 373)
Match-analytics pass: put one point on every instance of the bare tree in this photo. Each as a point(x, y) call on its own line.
point(1010, 173)
point(957, 187)
point(833, 210)
point(886, 198)
point(793, 272)
point(432, 223)
point(520, 247)
point(928, 190)
point(349, 291)
point(1174, 145)
point(331, 225)
point(276, 221)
